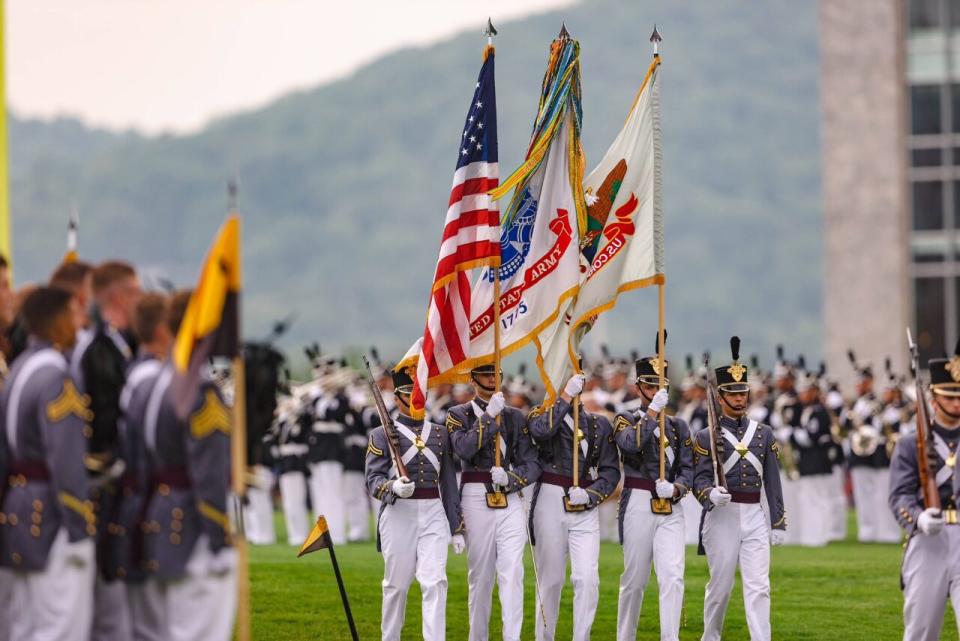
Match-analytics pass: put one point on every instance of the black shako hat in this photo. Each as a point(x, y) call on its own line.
point(648, 371)
point(945, 374)
point(733, 377)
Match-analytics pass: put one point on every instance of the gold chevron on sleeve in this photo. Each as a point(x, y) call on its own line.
point(69, 402)
point(210, 418)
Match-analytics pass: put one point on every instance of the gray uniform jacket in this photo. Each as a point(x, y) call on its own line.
point(430, 467)
point(599, 467)
point(743, 475)
point(906, 495)
point(643, 461)
point(473, 438)
point(45, 433)
point(123, 557)
point(190, 469)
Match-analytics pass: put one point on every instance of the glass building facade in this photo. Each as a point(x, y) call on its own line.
point(933, 139)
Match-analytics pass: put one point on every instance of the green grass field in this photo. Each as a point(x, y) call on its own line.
point(844, 592)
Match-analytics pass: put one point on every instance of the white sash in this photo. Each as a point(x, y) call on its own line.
point(668, 450)
point(413, 450)
point(584, 446)
point(945, 473)
point(47, 357)
point(736, 456)
point(503, 442)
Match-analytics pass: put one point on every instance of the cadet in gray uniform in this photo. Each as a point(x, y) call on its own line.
point(186, 530)
point(47, 522)
point(734, 530)
point(124, 559)
point(419, 516)
point(498, 532)
point(931, 570)
point(558, 533)
point(648, 537)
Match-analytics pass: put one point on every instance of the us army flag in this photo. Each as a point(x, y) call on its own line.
point(622, 248)
point(539, 266)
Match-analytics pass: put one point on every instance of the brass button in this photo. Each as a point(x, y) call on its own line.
point(163, 489)
point(38, 505)
point(17, 559)
point(3, 518)
point(175, 538)
point(177, 513)
point(36, 517)
point(91, 530)
point(35, 531)
point(176, 526)
point(12, 519)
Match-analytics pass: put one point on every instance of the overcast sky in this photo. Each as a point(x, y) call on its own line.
point(170, 65)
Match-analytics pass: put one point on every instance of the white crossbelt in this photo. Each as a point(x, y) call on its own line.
point(568, 419)
point(414, 450)
point(736, 456)
point(479, 412)
point(668, 450)
point(48, 357)
point(945, 473)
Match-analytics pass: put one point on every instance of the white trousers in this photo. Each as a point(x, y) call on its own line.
point(202, 605)
point(737, 534)
point(931, 575)
point(56, 604)
point(146, 611)
point(814, 516)
point(609, 527)
point(559, 535)
point(326, 496)
point(875, 522)
point(357, 506)
point(838, 524)
point(6, 598)
point(691, 518)
point(414, 536)
point(111, 611)
point(648, 537)
point(495, 541)
point(293, 496)
point(258, 513)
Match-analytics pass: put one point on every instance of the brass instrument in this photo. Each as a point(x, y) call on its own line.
point(864, 437)
point(788, 456)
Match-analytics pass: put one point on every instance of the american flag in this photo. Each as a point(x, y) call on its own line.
point(471, 239)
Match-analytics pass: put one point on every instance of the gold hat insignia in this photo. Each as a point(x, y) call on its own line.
point(736, 371)
point(953, 367)
point(655, 366)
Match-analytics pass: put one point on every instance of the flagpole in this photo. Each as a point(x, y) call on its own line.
point(343, 593)
point(238, 452)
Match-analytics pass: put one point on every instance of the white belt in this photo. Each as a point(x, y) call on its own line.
point(327, 427)
point(293, 449)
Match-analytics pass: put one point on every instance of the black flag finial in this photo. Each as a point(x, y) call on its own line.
point(490, 31)
point(564, 34)
point(232, 194)
point(656, 39)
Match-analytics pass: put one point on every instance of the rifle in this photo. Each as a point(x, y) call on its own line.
point(389, 429)
point(713, 424)
point(928, 484)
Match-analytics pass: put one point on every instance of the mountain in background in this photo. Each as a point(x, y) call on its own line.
point(343, 188)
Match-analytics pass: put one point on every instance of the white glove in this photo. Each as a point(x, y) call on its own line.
point(719, 496)
point(659, 401)
point(402, 487)
point(835, 400)
point(575, 385)
point(802, 437)
point(863, 408)
point(223, 561)
point(777, 537)
point(930, 521)
point(80, 553)
point(892, 416)
point(495, 405)
point(459, 544)
point(499, 476)
point(664, 489)
point(579, 496)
